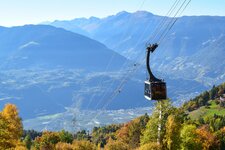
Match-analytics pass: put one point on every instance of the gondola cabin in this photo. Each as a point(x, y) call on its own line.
point(155, 90)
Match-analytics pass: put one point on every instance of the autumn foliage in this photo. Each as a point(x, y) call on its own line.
point(178, 131)
point(10, 127)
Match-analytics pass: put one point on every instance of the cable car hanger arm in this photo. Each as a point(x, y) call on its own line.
point(150, 49)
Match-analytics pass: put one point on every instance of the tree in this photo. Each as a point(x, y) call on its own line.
point(32, 133)
point(11, 114)
point(83, 145)
point(5, 140)
point(208, 140)
point(189, 138)
point(47, 141)
point(221, 137)
point(123, 133)
point(216, 122)
point(116, 145)
point(27, 141)
point(81, 135)
point(65, 137)
point(151, 146)
point(100, 135)
point(150, 134)
point(63, 146)
point(205, 97)
point(172, 136)
point(220, 91)
point(130, 133)
point(11, 127)
point(20, 147)
point(213, 92)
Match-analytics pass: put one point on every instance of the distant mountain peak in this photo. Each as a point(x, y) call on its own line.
point(142, 13)
point(122, 13)
point(92, 18)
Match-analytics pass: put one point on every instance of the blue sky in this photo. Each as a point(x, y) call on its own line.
point(19, 12)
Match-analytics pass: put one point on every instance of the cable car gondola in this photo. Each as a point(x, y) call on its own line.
point(155, 89)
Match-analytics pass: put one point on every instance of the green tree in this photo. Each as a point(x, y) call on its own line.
point(150, 134)
point(32, 133)
point(27, 141)
point(189, 138)
point(47, 141)
point(213, 92)
point(100, 135)
point(81, 135)
point(221, 136)
point(65, 137)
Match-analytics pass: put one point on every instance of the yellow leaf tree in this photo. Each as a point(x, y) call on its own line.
point(11, 127)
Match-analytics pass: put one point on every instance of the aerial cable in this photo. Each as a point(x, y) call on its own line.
point(124, 80)
point(126, 63)
point(163, 21)
point(176, 2)
point(122, 83)
point(101, 81)
point(124, 76)
point(117, 91)
point(174, 20)
point(100, 84)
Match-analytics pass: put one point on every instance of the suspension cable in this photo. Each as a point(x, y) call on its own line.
point(100, 84)
point(122, 83)
point(174, 20)
point(164, 20)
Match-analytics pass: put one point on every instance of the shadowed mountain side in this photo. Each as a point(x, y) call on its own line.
point(50, 47)
point(43, 68)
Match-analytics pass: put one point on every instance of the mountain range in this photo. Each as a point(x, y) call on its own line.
point(49, 69)
point(42, 67)
point(193, 49)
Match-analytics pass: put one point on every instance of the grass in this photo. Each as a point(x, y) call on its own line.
point(207, 112)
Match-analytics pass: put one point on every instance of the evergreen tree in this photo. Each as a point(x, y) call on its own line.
point(27, 141)
point(65, 137)
point(213, 92)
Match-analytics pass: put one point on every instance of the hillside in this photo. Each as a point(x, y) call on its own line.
point(177, 129)
point(207, 111)
point(208, 104)
point(47, 46)
point(208, 97)
point(44, 69)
